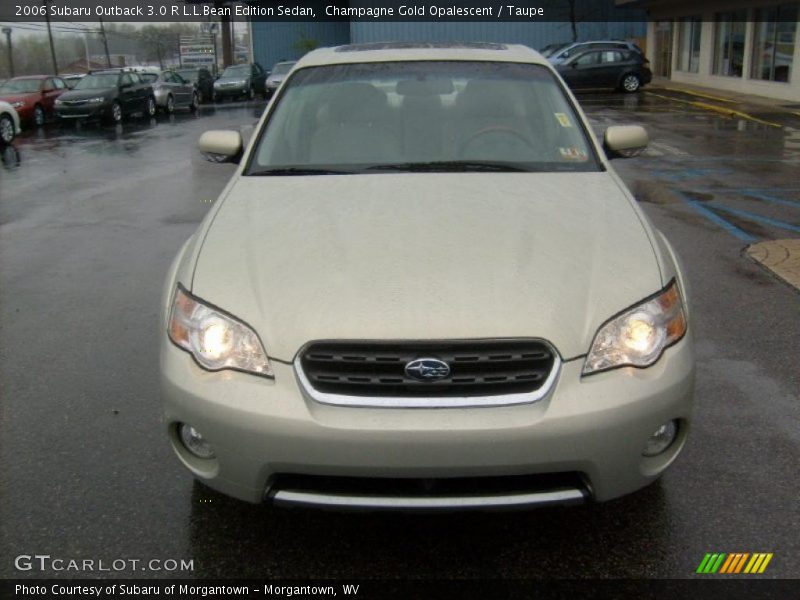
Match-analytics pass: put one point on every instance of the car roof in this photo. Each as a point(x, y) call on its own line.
point(412, 51)
point(617, 42)
point(31, 77)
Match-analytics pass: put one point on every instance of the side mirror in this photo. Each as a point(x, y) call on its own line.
point(625, 141)
point(221, 146)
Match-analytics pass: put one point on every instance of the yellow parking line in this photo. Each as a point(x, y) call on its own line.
point(728, 112)
point(700, 95)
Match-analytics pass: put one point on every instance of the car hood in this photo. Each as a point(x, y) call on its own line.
point(236, 79)
point(433, 256)
point(88, 93)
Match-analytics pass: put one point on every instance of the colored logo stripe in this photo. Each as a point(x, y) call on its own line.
point(734, 563)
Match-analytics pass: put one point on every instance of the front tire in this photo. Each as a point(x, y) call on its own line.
point(7, 131)
point(251, 93)
point(38, 116)
point(151, 107)
point(195, 102)
point(170, 108)
point(116, 112)
point(631, 83)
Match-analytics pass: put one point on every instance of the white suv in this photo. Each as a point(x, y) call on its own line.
point(425, 287)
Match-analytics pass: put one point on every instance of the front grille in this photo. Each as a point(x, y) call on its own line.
point(74, 102)
point(478, 368)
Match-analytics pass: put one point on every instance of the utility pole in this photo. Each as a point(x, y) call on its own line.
point(225, 26)
point(50, 35)
point(180, 54)
point(105, 42)
point(213, 30)
point(7, 31)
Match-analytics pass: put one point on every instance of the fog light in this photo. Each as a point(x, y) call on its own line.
point(194, 442)
point(661, 439)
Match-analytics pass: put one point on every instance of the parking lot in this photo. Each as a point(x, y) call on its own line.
point(90, 219)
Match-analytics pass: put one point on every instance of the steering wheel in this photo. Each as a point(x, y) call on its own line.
point(503, 129)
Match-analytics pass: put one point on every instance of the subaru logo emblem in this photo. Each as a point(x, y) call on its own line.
point(427, 369)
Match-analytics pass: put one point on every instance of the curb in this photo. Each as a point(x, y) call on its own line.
point(782, 257)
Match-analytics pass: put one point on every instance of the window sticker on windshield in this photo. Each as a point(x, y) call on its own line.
point(563, 119)
point(573, 154)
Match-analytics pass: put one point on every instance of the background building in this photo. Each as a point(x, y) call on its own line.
point(747, 46)
point(272, 42)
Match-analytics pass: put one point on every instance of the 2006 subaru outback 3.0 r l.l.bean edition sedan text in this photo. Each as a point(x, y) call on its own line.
point(425, 287)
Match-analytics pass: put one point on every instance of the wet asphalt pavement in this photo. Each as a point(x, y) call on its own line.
point(90, 219)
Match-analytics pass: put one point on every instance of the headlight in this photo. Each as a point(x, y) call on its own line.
point(19, 104)
point(638, 336)
point(58, 101)
point(215, 339)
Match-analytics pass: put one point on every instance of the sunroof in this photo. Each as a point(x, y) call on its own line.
point(421, 46)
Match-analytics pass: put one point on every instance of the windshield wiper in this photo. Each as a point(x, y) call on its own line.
point(451, 166)
point(278, 171)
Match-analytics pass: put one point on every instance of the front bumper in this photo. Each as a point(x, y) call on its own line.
point(161, 96)
point(83, 111)
point(239, 90)
point(263, 429)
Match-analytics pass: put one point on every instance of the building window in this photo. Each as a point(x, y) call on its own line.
point(729, 43)
point(773, 42)
point(689, 44)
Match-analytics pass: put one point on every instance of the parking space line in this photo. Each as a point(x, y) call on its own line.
point(715, 218)
point(727, 112)
point(699, 95)
point(775, 199)
point(758, 218)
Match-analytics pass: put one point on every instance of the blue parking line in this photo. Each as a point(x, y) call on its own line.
point(715, 218)
point(775, 199)
point(758, 218)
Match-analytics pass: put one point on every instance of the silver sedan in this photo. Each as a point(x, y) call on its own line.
point(171, 90)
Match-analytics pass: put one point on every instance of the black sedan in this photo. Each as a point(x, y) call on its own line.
point(112, 94)
point(241, 80)
point(624, 70)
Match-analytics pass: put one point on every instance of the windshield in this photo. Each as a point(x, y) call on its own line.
point(240, 71)
point(105, 80)
point(282, 68)
point(189, 75)
point(20, 86)
point(422, 116)
point(149, 77)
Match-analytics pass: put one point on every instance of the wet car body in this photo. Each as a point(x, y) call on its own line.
point(109, 94)
point(203, 81)
point(171, 90)
point(277, 75)
point(350, 326)
point(606, 67)
point(9, 123)
point(33, 97)
point(238, 81)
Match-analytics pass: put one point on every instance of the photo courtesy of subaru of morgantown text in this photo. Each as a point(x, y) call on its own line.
point(377, 313)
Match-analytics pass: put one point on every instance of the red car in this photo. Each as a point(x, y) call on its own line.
point(33, 96)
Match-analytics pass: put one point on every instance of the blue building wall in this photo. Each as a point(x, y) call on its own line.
point(273, 42)
point(595, 20)
point(535, 35)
